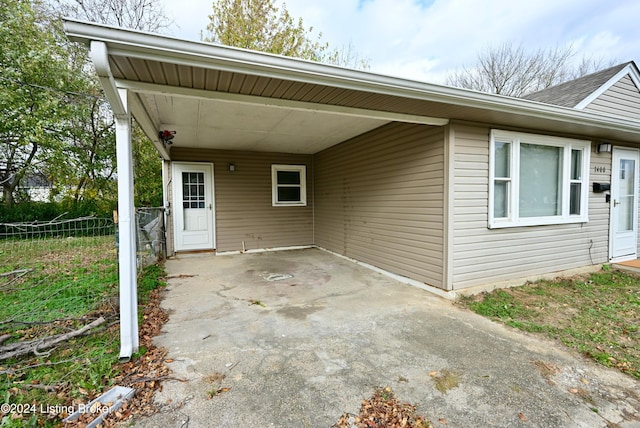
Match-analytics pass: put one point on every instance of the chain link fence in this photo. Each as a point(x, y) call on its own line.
point(151, 245)
point(49, 270)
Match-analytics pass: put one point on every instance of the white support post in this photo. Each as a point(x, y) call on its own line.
point(129, 340)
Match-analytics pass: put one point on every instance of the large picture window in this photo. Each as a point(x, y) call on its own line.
point(289, 185)
point(536, 179)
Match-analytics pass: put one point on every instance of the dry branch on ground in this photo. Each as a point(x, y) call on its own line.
point(17, 349)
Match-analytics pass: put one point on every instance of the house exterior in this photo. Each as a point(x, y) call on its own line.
point(447, 187)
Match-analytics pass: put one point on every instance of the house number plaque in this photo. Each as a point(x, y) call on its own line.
point(600, 169)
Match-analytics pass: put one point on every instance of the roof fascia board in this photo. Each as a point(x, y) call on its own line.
point(152, 88)
point(630, 69)
point(181, 52)
point(147, 124)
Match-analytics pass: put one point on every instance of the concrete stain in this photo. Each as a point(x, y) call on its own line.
point(298, 312)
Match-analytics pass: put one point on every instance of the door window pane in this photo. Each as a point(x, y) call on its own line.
point(626, 195)
point(193, 194)
point(540, 180)
point(625, 214)
point(627, 179)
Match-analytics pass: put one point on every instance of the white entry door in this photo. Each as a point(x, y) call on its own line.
point(194, 219)
point(624, 205)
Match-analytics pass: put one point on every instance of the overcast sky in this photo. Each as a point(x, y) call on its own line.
point(426, 39)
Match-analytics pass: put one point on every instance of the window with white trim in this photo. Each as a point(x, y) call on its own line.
point(289, 185)
point(537, 179)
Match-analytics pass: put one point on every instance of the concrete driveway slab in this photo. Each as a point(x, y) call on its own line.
point(303, 336)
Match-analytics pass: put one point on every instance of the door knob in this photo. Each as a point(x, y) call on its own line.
point(615, 203)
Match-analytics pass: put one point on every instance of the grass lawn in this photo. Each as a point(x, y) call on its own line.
point(50, 287)
point(597, 314)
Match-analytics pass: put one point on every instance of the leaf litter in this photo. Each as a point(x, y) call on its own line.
point(145, 372)
point(383, 410)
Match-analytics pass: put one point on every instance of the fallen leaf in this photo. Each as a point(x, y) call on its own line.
point(443, 421)
point(95, 406)
point(573, 390)
point(522, 417)
point(432, 374)
point(169, 360)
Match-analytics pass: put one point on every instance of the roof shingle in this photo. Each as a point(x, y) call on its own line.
point(571, 93)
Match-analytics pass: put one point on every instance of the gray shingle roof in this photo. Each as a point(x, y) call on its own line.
point(571, 93)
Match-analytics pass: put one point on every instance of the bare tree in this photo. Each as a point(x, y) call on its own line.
point(512, 70)
point(146, 15)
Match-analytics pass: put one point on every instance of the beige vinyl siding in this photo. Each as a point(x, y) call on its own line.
point(243, 206)
point(483, 256)
point(379, 200)
point(622, 99)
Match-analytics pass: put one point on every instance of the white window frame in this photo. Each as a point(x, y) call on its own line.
point(515, 138)
point(302, 170)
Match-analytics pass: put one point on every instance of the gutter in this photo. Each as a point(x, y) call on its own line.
point(100, 57)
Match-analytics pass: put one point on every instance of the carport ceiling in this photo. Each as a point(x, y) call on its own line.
point(221, 124)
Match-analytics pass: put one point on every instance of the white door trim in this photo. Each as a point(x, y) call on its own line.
point(632, 254)
point(208, 241)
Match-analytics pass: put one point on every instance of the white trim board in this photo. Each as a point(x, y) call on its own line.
point(629, 69)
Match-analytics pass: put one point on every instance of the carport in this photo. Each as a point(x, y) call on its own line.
point(223, 98)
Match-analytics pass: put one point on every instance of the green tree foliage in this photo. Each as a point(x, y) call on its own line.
point(95, 143)
point(34, 80)
point(54, 120)
point(260, 25)
point(148, 171)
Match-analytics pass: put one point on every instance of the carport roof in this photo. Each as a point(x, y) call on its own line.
point(221, 97)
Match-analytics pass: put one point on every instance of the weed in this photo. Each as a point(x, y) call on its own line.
point(499, 304)
point(446, 380)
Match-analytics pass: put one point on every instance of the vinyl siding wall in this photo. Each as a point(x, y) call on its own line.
point(243, 208)
point(622, 99)
point(483, 256)
point(379, 199)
